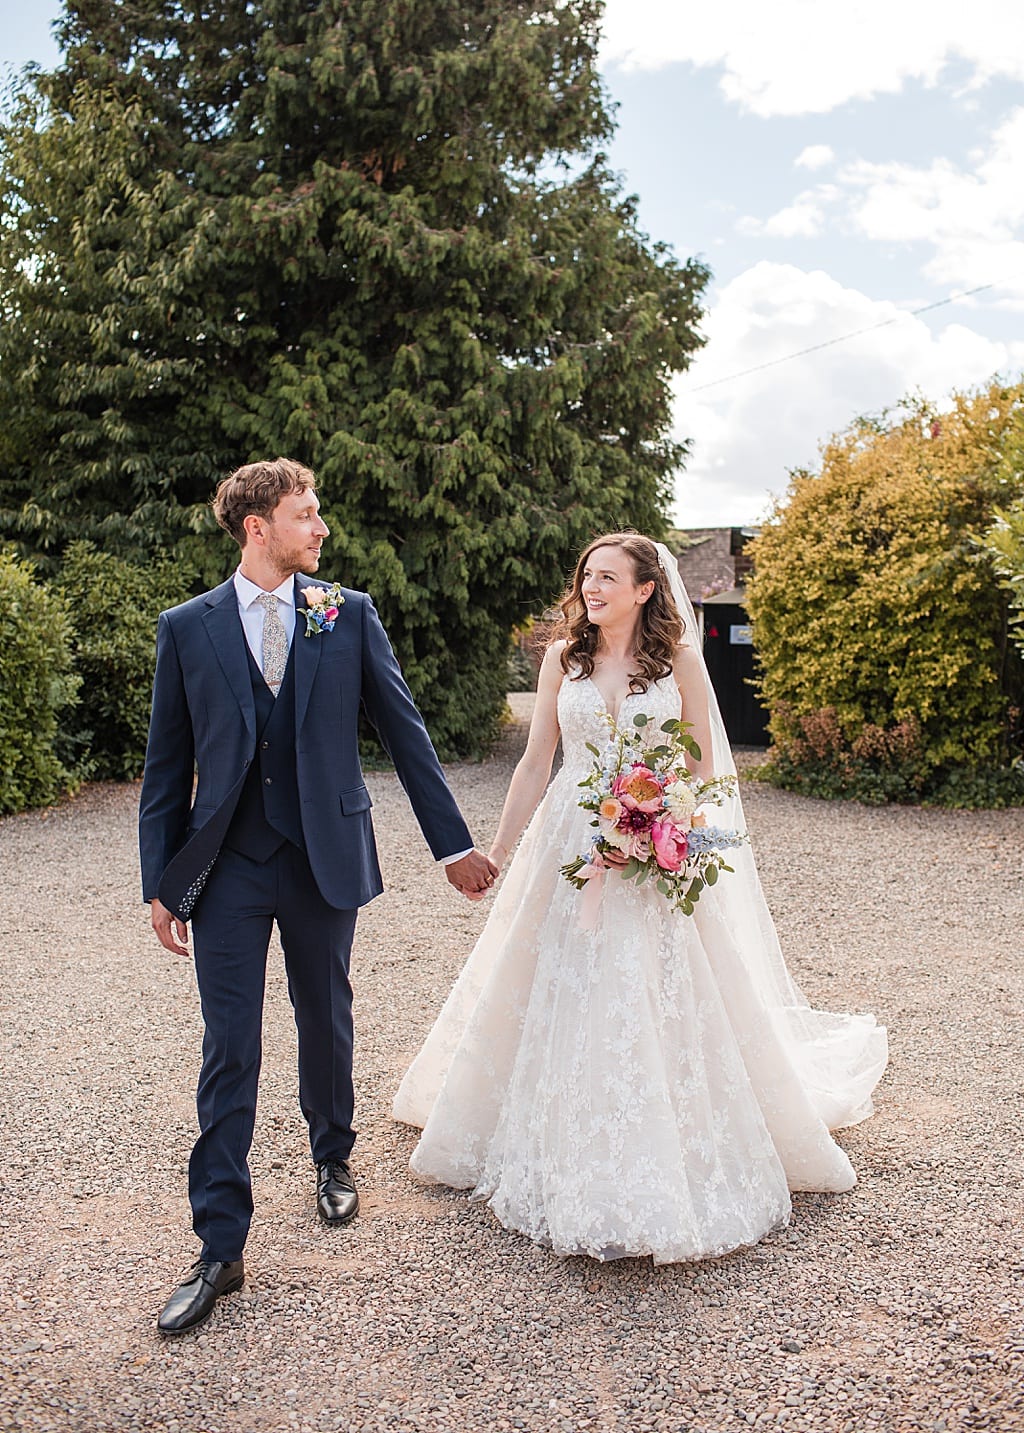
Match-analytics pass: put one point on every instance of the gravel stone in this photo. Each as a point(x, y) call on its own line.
point(896, 1307)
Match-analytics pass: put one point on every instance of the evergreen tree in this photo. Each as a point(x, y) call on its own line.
point(378, 237)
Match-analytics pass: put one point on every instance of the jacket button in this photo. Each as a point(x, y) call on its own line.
point(269, 781)
point(266, 744)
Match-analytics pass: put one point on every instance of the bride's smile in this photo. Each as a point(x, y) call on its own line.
point(610, 589)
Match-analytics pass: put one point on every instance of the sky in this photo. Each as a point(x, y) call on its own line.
point(840, 168)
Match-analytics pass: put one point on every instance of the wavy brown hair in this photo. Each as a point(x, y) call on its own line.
point(257, 488)
point(661, 626)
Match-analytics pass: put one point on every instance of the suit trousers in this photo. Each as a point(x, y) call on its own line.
point(231, 930)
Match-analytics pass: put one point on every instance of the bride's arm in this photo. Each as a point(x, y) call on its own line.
point(531, 774)
point(689, 674)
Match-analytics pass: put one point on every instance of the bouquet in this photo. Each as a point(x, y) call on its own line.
point(647, 804)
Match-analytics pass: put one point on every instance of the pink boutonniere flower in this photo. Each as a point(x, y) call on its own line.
point(322, 607)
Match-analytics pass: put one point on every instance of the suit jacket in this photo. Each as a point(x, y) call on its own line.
point(203, 726)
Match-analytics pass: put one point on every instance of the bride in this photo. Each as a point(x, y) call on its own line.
point(646, 1083)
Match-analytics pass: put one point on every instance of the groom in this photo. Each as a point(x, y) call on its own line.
point(261, 702)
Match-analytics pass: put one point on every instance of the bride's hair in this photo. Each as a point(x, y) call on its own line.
point(661, 626)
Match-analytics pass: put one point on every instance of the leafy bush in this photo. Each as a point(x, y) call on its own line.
point(882, 638)
point(114, 605)
point(38, 685)
point(812, 755)
point(526, 650)
point(1003, 544)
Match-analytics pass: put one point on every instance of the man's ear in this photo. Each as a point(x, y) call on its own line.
point(255, 529)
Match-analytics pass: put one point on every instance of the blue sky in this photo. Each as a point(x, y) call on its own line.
point(837, 168)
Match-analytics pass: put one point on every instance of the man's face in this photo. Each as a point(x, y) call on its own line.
point(295, 532)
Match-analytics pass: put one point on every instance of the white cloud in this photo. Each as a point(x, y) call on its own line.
point(972, 218)
point(803, 56)
point(803, 219)
point(749, 432)
point(815, 156)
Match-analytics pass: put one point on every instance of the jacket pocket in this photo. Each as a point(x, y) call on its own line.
point(355, 800)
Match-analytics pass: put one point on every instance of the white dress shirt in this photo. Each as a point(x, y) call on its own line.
point(252, 615)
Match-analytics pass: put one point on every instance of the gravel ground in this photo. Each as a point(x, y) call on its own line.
point(895, 1307)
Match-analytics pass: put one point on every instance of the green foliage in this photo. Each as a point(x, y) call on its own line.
point(812, 755)
point(521, 671)
point(1003, 544)
point(38, 687)
point(377, 235)
point(114, 605)
point(883, 640)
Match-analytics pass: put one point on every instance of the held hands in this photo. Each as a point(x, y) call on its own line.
point(474, 875)
point(167, 926)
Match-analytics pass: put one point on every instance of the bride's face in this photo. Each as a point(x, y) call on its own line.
point(610, 589)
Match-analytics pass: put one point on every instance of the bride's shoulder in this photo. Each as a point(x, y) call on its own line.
point(551, 666)
point(687, 661)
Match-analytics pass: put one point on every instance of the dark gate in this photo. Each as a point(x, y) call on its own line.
point(729, 653)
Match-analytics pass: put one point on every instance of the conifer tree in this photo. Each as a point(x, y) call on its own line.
point(376, 235)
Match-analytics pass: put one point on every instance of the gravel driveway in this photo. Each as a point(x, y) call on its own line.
point(896, 1307)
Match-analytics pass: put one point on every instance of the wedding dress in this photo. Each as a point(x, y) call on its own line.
point(648, 1083)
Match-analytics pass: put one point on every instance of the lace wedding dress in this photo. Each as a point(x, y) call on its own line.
point(653, 1085)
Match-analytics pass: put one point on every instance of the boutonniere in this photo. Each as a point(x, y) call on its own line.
point(322, 607)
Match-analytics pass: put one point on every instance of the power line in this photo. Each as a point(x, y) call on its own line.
point(844, 337)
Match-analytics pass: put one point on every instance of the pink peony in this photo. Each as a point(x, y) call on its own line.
point(670, 845)
point(638, 789)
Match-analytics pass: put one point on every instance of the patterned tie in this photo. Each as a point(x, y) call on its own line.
point(275, 642)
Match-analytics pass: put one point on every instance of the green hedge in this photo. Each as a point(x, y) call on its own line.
point(114, 605)
point(37, 686)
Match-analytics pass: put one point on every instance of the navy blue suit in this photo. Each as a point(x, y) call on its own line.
point(279, 829)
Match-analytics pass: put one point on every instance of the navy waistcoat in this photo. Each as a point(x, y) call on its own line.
point(268, 812)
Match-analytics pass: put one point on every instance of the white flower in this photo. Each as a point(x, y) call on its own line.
point(680, 802)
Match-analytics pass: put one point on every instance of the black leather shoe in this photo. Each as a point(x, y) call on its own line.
point(194, 1298)
point(336, 1199)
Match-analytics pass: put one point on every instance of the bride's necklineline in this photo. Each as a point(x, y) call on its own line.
point(620, 669)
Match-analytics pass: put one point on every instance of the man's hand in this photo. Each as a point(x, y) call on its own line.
point(167, 926)
point(473, 875)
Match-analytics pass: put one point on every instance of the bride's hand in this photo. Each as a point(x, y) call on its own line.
point(497, 855)
point(615, 858)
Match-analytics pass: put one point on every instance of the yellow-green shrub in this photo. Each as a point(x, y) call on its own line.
point(869, 600)
point(37, 686)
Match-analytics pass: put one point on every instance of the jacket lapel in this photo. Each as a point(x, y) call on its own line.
point(305, 653)
point(224, 629)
